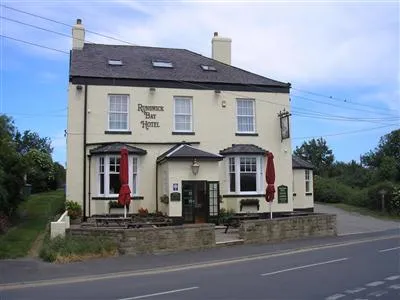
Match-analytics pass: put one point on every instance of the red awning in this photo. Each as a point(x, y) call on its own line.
point(124, 197)
point(270, 178)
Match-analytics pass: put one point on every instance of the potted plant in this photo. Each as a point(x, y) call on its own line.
point(164, 199)
point(143, 212)
point(115, 206)
point(74, 211)
point(249, 202)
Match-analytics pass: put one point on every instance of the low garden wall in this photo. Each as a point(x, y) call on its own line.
point(280, 229)
point(155, 240)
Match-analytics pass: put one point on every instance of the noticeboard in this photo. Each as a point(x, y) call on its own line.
point(283, 194)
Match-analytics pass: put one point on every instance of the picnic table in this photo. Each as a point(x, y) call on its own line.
point(234, 221)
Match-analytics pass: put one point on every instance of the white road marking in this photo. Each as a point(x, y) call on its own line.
point(177, 268)
point(375, 283)
point(378, 293)
point(334, 297)
point(161, 293)
point(392, 277)
point(356, 290)
point(305, 266)
point(390, 249)
point(395, 287)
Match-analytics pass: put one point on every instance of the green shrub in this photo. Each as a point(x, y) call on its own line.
point(74, 248)
point(74, 209)
point(374, 198)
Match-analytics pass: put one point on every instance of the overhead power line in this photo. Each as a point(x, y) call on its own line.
point(342, 100)
point(33, 44)
point(41, 28)
point(64, 24)
point(342, 107)
point(343, 133)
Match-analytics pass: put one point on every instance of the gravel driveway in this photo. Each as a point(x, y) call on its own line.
point(351, 223)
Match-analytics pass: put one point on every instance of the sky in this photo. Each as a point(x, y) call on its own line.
point(341, 58)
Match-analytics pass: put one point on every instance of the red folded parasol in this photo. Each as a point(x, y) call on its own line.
point(270, 178)
point(124, 197)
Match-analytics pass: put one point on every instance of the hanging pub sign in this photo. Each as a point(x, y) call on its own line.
point(284, 122)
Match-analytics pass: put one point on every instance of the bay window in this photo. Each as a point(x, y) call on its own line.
point(108, 175)
point(245, 174)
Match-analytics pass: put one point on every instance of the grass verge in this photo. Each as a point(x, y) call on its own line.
point(365, 211)
point(35, 214)
point(75, 248)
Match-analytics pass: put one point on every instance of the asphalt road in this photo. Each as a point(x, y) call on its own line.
point(366, 267)
point(354, 223)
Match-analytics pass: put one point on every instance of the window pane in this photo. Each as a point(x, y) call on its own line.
point(232, 182)
point(114, 184)
point(307, 186)
point(248, 182)
point(101, 183)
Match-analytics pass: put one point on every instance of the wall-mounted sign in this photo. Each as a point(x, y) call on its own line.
point(284, 122)
point(148, 111)
point(282, 194)
point(175, 196)
point(175, 187)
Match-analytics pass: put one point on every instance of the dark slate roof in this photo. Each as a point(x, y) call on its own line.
point(243, 149)
point(115, 148)
point(298, 163)
point(187, 152)
point(92, 62)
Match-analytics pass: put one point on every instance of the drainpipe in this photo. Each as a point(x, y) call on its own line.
point(84, 153)
point(89, 189)
point(156, 186)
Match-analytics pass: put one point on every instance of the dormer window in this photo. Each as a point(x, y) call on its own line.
point(115, 62)
point(162, 64)
point(208, 68)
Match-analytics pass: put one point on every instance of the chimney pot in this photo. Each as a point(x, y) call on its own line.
point(216, 33)
point(78, 21)
point(78, 35)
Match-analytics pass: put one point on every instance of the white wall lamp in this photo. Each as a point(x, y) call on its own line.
point(195, 167)
point(152, 90)
point(79, 88)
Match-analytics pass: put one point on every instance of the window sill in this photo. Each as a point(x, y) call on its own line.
point(116, 198)
point(117, 132)
point(245, 134)
point(183, 133)
point(308, 194)
point(242, 195)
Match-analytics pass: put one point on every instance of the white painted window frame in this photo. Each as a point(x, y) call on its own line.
point(109, 112)
point(134, 189)
point(260, 184)
point(307, 179)
point(253, 101)
point(190, 99)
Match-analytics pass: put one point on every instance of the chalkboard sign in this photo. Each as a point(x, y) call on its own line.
point(175, 196)
point(282, 194)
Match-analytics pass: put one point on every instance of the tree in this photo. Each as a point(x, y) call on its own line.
point(40, 170)
point(31, 140)
point(385, 159)
point(12, 169)
point(352, 174)
point(318, 153)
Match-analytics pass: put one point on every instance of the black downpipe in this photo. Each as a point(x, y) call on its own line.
point(156, 186)
point(89, 188)
point(84, 153)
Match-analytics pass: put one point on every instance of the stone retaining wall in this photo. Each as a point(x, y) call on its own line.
point(155, 240)
point(264, 231)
